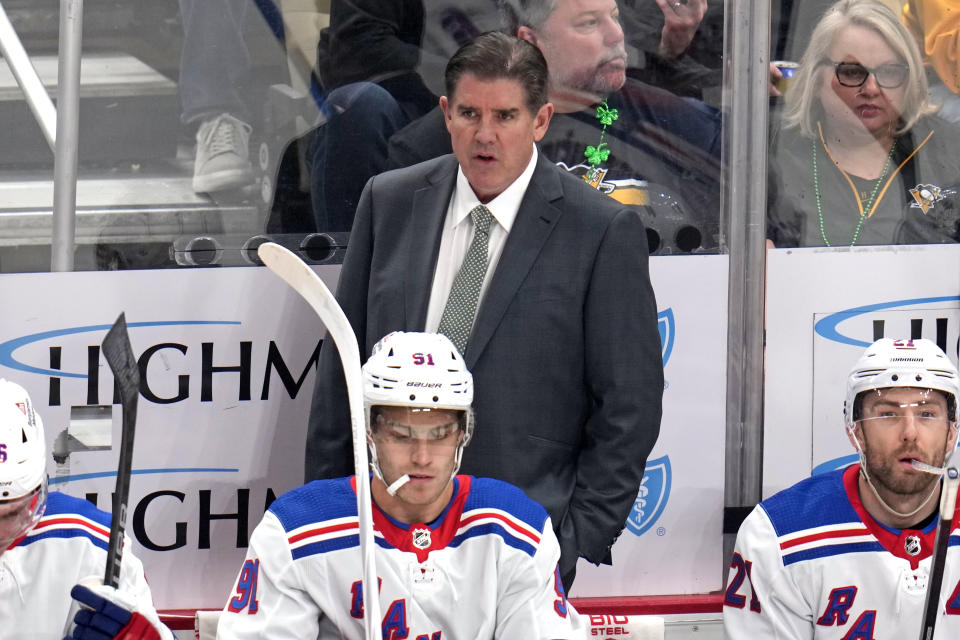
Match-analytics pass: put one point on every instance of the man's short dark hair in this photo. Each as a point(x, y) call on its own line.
point(498, 56)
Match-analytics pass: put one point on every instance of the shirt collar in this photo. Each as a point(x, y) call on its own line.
point(504, 207)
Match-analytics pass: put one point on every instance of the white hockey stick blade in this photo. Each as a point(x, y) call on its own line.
point(298, 274)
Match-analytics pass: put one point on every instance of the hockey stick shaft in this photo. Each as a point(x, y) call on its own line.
point(119, 355)
point(948, 504)
point(296, 273)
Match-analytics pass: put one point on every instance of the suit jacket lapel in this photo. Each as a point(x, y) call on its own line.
point(533, 225)
point(429, 210)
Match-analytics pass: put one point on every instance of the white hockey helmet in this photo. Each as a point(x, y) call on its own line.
point(890, 363)
point(23, 476)
point(421, 370)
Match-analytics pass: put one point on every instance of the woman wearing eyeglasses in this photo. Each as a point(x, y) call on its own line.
point(860, 159)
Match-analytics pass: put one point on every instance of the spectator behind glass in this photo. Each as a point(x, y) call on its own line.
point(676, 45)
point(214, 67)
point(381, 65)
point(379, 42)
point(936, 25)
point(860, 160)
point(656, 146)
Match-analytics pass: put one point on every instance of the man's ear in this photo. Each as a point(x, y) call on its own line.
point(952, 437)
point(854, 437)
point(445, 107)
point(541, 121)
point(528, 34)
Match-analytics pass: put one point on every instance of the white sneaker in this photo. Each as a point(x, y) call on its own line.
point(223, 155)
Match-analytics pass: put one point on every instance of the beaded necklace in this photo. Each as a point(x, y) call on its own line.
point(870, 204)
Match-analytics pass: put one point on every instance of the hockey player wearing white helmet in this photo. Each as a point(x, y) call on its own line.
point(900, 410)
point(54, 546)
point(457, 557)
point(402, 388)
point(847, 554)
point(23, 476)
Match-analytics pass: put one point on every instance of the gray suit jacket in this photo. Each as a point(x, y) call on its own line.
point(565, 352)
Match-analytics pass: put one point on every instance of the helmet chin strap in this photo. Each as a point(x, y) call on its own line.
point(873, 489)
point(934, 489)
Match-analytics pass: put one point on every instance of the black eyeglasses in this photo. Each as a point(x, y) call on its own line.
point(854, 74)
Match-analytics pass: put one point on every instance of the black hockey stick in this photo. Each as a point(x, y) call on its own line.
point(116, 349)
point(296, 273)
point(948, 503)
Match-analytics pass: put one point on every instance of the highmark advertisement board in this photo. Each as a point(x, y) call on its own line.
point(228, 359)
point(672, 542)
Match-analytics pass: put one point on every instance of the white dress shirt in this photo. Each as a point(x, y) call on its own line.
point(458, 233)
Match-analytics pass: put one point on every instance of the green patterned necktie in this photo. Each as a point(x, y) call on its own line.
point(460, 312)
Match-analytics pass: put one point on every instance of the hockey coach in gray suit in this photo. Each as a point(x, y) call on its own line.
point(539, 279)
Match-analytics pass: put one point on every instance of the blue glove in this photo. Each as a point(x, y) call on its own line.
point(107, 615)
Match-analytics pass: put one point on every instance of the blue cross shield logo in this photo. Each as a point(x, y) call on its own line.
point(666, 324)
point(653, 496)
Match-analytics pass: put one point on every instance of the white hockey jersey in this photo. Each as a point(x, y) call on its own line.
point(486, 568)
point(68, 544)
point(810, 562)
